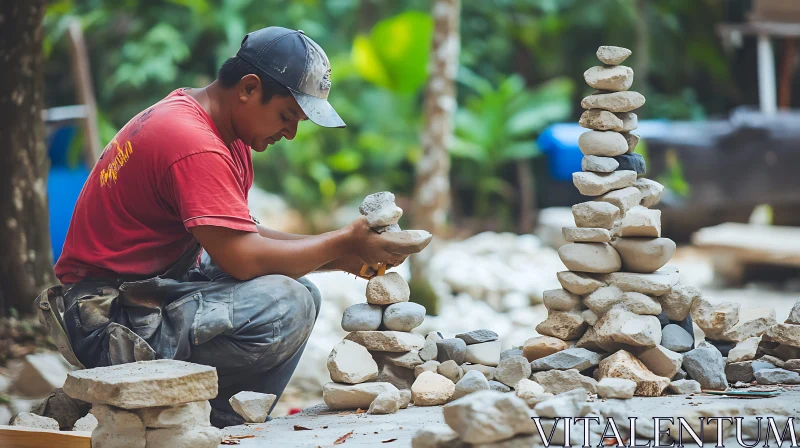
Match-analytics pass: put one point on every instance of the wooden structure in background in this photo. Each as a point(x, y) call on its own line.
point(18, 437)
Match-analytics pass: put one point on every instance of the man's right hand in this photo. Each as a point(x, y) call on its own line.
point(370, 246)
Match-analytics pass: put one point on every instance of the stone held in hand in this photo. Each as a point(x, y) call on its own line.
point(601, 120)
point(618, 78)
point(644, 255)
point(488, 416)
point(472, 381)
point(651, 191)
point(387, 341)
point(641, 221)
point(560, 300)
point(254, 406)
point(571, 358)
point(353, 396)
point(380, 209)
point(351, 363)
point(432, 389)
point(387, 289)
point(403, 316)
point(451, 348)
point(510, 370)
point(611, 55)
point(595, 214)
point(706, 366)
point(624, 199)
point(590, 257)
point(578, 283)
point(586, 235)
point(541, 346)
point(560, 381)
point(677, 303)
point(598, 164)
point(564, 325)
point(602, 143)
point(142, 384)
point(407, 242)
point(387, 402)
point(620, 388)
point(614, 102)
point(362, 317)
point(478, 336)
point(676, 338)
point(624, 365)
point(632, 162)
point(486, 353)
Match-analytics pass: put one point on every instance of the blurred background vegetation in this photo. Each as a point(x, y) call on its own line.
point(521, 69)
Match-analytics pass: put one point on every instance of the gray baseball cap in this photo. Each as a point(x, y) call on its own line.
point(299, 64)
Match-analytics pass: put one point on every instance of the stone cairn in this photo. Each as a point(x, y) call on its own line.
point(149, 404)
point(381, 364)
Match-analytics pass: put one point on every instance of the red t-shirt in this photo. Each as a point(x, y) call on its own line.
point(165, 172)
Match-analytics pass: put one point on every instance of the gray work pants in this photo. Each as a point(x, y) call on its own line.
point(253, 332)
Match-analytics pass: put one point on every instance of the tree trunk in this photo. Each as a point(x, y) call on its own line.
point(26, 262)
point(432, 185)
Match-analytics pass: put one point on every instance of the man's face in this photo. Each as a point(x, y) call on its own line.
point(261, 124)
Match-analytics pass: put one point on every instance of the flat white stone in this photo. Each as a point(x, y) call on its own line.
point(614, 102)
point(560, 300)
point(586, 235)
point(599, 164)
point(641, 221)
point(252, 406)
point(353, 396)
point(630, 121)
point(619, 328)
point(655, 284)
point(661, 361)
point(144, 384)
point(645, 255)
point(602, 143)
point(745, 350)
point(486, 353)
point(595, 214)
point(618, 78)
point(590, 257)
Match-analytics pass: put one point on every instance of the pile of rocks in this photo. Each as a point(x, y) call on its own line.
point(149, 403)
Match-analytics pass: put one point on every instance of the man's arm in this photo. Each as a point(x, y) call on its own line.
point(277, 235)
point(349, 263)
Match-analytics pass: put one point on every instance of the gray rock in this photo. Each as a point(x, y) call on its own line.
point(409, 359)
point(498, 386)
point(724, 347)
point(511, 370)
point(777, 376)
point(429, 351)
point(478, 336)
point(571, 358)
point(451, 348)
point(400, 377)
point(404, 316)
point(437, 436)
point(567, 404)
point(685, 387)
point(794, 315)
point(676, 339)
point(510, 352)
point(681, 375)
point(60, 407)
point(488, 416)
point(472, 381)
point(362, 317)
point(559, 381)
point(761, 365)
point(632, 162)
point(706, 366)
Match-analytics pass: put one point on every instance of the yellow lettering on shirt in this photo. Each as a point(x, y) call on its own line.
point(121, 156)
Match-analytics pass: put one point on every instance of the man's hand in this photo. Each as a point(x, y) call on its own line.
point(370, 247)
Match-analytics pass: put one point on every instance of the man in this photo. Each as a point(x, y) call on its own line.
point(174, 180)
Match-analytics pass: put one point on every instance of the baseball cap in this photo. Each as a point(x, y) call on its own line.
point(299, 64)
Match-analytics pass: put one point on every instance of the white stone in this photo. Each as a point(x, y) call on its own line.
point(745, 350)
point(599, 164)
point(616, 388)
point(143, 384)
point(600, 120)
point(427, 366)
point(641, 221)
point(488, 416)
point(567, 404)
point(560, 381)
point(619, 328)
point(560, 300)
point(614, 102)
point(624, 365)
point(387, 341)
point(639, 303)
point(511, 370)
point(602, 143)
point(450, 370)
point(436, 436)
point(41, 373)
point(752, 322)
point(184, 437)
point(611, 55)
point(429, 351)
point(625, 198)
point(644, 255)
point(117, 428)
point(386, 403)
point(601, 300)
point(616, 78)
point(486, 353)
point(486, 371)
point(590, 317)
point(472, 381)
point(189, 414)
point(590, 257)
point(655, 284)
point(661, 361)
point(586, 235)
point(651, 191)
point(253, 406)
point(380, 209)
point(678, 301)
point(564, 325)
point(596, 184)
point(353, 396)
point(715, 318)
point(387, 289)
point(630, 121)
point(431, 389)
point(595, 214)
point(351, 363)
point(685, 387)
point(578, 283)
point(30, 420)
point(405, 398)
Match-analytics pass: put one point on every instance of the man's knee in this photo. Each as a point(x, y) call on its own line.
point(315, 294)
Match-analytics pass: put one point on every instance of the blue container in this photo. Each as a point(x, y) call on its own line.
point(64, 185)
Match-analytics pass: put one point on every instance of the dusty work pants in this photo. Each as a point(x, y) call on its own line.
point(253, 332)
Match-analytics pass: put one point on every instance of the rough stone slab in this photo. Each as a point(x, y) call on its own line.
point(624, 365)
point(488, 416)
point(788, 334)
point(362, 317)
point(625, 198)
point(478, 336)
point(745, 350)
point(571, 358)
point(117, 428)
point(661, 361)
point(597, 164)
point(578, 283)
point(614, 102)
point(641, 221)
point(353, 396)
point(602, 143)
point(387, 289)
point(560, 381)
point(715, 319)
point(560, 300)
point(452, 348)
point(752, 322)
point(585, 235)
point(387, 341)
point(622, 329)
point(651, 191)
point(564, 325)
point(616, 388)
point(677, 303)
point(617, 78)
point(351, 363)
point(706, 366)
point(196, 413)
point(432, 389)
point(594, 258)
point(655, 284)
point(611, 55)
point(600, 120)
point(644, 255)
point(185, 437)
point(541, 346)
point(252, 406)
point(407, 241)
point(596, 184)
point(143, 384)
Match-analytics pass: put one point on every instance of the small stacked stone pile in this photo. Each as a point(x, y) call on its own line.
point(149, 404)
point(377, 358)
